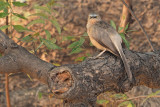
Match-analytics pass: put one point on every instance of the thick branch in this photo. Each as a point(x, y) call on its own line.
point(80, 84)
point(18, 59)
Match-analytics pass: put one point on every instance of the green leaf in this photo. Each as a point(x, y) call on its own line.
point(88, 54)
point(85, 34)
point(120, 28)
point(113, 24)
point(77, 43)
point(69, 38)
point(42, 15)
point(5, 10)
point(51, 2)
point(3, 5)
point(29, 77)
point(126, 27)
point(50, 44)
point(124, 103)
point(48, 34)
point(57, 4)
point(124, 40)
point(80, 58)
point(39, 95)
point(46, 9)
point(36, 34)
point(39, 46)
point(20, 28)
point(74, 44)
point(4, 27)
point(158, 21)
point(130, 105)
point(102, 101)
point(120, 96)
point(53, 40)
point(56, 24)
point(20, 16)
point(2, 15)
point(27, 38)
point(75, 50)
point(81, 41)
point(37, 21)
point(131, 30)
point(56, 64)
point(19, 4)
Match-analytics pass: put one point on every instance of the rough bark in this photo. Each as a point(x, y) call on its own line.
point(80, 84)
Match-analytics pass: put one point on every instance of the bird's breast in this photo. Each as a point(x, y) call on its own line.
point(96, 44)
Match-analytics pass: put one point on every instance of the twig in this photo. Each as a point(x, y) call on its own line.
point(7, 90)
point(133, 98)
point(6, 75)
point(139, 24)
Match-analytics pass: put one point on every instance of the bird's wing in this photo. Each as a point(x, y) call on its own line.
point(102, 36)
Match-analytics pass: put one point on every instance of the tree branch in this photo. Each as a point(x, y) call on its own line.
point(80, 84)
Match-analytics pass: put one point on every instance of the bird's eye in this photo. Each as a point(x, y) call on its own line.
point(93, 17)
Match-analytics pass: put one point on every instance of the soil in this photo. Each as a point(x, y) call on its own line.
point(72, 16)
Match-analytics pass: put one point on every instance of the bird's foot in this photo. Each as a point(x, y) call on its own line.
point(95, 57)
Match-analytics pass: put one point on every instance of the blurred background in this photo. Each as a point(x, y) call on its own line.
point(55, 31)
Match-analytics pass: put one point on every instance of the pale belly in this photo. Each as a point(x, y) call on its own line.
point(96, 44)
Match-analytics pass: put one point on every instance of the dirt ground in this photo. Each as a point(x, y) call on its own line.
point(72, 15)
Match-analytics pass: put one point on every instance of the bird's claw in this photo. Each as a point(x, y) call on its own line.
point(95, 57)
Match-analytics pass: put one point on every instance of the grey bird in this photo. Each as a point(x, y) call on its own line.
point(106, 38)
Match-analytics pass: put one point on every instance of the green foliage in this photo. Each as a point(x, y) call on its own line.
point(56, 24)
point(29, 77)
point(45, 14)
point(112, 23)
point(37, 21)
point(19, 4)
point(126, 104)
point(102, 101)
point(124, 40)
point(2, 15)
point(40, 95)
point(4, 27)
point(158, 21)
point(20, 28)
point(76, 46)
point(48, 35)
point(50, 44)
point(20, 16)
point(120, 96)
point(28, 38)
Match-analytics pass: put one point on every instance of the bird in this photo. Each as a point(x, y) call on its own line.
point(104, 37)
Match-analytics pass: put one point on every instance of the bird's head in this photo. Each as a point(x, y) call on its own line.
point(93, 18)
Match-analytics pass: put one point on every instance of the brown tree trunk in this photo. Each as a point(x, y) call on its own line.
point(79, 84)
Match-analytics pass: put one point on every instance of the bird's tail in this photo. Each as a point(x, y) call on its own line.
point(127, 68)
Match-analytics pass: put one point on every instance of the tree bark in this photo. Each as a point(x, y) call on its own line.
point(79, 84)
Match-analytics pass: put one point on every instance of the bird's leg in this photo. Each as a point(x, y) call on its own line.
point(98, 56)
point(100, 53)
